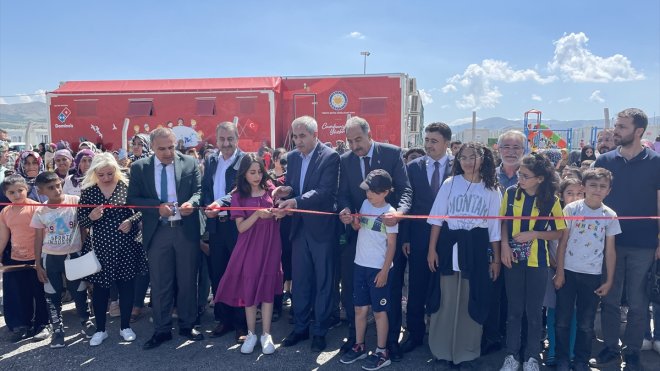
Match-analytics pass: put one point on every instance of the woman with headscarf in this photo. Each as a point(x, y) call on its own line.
point(63, 160)
point(139, 147)
point(587, 153)
point(28, 165)
point(81, 164)
point(49, 156)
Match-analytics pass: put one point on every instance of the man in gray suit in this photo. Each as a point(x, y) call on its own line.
point(168, 183)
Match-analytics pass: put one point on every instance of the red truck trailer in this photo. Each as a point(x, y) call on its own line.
point(263, 108)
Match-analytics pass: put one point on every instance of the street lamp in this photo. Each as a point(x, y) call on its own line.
point(366, 54)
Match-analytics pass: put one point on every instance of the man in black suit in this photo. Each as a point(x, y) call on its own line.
point(169, 184)
point(367, 155)
point(218, 181)
point(311, 184)
point(426, 175)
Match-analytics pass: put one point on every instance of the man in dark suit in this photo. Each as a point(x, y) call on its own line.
point(168, 183)
point(218, 181)
point(311, 184)
point(367, 155)
point(426, 175)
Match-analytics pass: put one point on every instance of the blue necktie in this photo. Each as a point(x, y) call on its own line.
point(163, 184)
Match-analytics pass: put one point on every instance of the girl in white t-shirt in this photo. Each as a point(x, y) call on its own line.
point(458, 255)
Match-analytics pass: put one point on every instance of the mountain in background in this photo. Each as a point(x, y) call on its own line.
point(24, 112)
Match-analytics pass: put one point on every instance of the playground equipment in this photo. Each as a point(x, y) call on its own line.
point(541, 136)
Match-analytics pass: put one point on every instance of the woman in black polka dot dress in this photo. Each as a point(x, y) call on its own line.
point(113, 234)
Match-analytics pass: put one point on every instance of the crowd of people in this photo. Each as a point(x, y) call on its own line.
point(501, 249)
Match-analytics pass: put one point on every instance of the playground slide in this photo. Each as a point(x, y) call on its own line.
point(561, 143)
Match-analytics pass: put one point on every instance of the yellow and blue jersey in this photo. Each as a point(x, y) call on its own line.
point(526, 206)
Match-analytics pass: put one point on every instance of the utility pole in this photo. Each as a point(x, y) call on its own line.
point(366, 54)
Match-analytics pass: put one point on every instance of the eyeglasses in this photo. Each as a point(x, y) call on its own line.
point(470, 158)
point(524, 176)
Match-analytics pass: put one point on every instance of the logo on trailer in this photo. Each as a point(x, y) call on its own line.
point(66, 112)
point(338, 100)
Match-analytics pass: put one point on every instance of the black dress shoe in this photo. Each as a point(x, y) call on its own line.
point(395, 352)
point(294, 338)
point(409, 345)
point(348, 345)
point(156, 340)
point(191, 334)
point(220, 330)
point(318, 344)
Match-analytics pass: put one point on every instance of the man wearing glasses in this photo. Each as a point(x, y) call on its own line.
point(511, 146)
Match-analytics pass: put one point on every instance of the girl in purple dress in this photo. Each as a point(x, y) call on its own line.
point(254, 273)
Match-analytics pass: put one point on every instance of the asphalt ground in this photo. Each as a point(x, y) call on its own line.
point(212, 354)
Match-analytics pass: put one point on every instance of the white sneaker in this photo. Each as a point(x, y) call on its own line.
point(250, 342)
point(656, 346)
point(127, 334)
point(267, 346)
point(531, 365)
point(98, 338)
point(647, 344)
point(510, 364)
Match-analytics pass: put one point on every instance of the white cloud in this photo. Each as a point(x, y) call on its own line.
point(426, 97)
point(537, 98)
point(576, 63)
point(356, 35)
point(39, 95)
point(564, 100)
point(477, 82)
point(595, 97)
point(448, 88)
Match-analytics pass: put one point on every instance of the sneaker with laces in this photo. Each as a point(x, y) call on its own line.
point(267, 346)
point(376, 361)
point(647, 344)
point(249, 343)
point(57, 339)
point(88, 329)
point(127, 334)
point(43, 334)
point(531, 365)
point(98, 338)
point(114, 309)
point(510, 364)
point(355, 353)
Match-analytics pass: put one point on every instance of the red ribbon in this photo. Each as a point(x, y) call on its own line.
point(313, 212)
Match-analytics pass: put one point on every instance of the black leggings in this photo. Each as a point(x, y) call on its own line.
point(100, 298)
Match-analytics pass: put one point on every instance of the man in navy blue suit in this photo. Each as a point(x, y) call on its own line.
point(367, 155)
point(426, 175)
point(311, 184)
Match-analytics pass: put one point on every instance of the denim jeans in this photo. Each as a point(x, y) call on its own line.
point(632, 265)
point(577, 295)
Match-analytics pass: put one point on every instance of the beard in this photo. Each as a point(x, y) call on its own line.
point(624, 141)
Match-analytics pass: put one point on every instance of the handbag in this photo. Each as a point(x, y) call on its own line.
point(83, 266)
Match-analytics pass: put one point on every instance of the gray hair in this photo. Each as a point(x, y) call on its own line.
point(308, 122)
point(161, 132)
point(358, 121)
point(227, 125)
point(513, 134)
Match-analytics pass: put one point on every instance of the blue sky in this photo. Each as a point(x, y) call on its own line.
point(568, 58)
